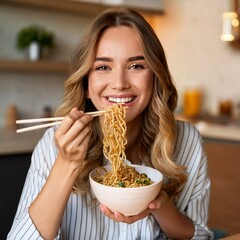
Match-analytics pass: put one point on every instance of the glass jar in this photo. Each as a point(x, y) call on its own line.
point(192, 102)
point(225, 108)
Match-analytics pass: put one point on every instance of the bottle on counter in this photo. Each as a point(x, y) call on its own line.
point(226, 108)
point(11, 117)
point(192, 101)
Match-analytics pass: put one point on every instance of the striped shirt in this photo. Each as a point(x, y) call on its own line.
point(83, 219)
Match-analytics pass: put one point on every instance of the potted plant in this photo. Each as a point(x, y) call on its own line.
point(35, 39)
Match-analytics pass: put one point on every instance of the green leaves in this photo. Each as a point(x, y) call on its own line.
point(121, 184)
point(34, 33)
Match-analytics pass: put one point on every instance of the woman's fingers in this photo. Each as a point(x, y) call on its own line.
point(73, 135)
point(72, 125)
point(81, 125)
point(154, 205)
point(159, 201)
point(118, 217)
point(69, 120)
point(80, 142)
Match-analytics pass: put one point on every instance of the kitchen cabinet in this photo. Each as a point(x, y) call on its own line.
point(224, 165)
point(13, 170)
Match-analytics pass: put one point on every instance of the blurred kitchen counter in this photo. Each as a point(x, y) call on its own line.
point(15, 143)
point(216, 129)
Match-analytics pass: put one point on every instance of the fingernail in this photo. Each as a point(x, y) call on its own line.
point(116, 215)
point(152, 205)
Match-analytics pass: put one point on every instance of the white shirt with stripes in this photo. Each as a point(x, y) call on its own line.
point(83, 219)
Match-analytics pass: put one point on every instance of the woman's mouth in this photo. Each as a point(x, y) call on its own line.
point(120, 100)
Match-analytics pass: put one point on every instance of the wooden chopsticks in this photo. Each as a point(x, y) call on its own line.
point(26, 129)
point(51, 121)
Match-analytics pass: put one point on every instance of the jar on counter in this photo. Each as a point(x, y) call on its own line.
point(226, 108)
point(11, 117)
point(192, 102)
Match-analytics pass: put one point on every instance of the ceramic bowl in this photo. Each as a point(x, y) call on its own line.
point(127, 201)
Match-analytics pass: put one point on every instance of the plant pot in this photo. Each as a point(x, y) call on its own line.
point(34, 51)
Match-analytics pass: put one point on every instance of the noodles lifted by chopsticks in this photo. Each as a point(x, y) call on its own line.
point(114, 141)
point(114, 131)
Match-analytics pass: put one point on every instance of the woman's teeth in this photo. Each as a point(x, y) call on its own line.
point(120, 100)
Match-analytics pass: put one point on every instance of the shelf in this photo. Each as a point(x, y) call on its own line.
point(75, 6)
point(64, 6)
point(39, 66)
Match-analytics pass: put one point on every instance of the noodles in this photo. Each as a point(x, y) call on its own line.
point(114, 131)
point(114, 141)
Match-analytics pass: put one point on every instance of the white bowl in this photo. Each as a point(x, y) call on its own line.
point(127, 201)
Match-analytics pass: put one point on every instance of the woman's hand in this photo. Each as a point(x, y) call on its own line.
point(153, 206)
point(118, 217)
point(72, 137)
point(173, 223)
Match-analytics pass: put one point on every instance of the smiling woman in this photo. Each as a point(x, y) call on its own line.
point(120, 72)
point(119, 60)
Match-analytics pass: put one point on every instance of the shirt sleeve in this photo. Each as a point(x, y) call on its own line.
point(42, 160)
point(194, 198)
point(197, 208)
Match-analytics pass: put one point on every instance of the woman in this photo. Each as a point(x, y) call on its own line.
point(120, 59)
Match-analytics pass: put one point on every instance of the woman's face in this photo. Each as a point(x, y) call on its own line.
point(120, 73)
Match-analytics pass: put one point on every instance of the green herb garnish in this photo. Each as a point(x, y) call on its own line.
point(121, 184)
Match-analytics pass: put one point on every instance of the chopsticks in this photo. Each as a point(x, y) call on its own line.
point(26, 129)
point(53, 121)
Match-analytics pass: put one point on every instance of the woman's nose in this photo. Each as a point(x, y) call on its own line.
point(120, 80)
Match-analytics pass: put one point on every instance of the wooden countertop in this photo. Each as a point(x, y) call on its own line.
point(13, 143)
point(216, 129)
point(233, 237)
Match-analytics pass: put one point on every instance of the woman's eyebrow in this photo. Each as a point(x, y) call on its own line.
point(136, 58)
point(108, 59)
point(103, 59)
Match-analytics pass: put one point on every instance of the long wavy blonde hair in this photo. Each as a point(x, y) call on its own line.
point(158, 133)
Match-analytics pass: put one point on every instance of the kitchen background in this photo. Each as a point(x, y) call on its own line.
point(188, 29)
point(190, 32)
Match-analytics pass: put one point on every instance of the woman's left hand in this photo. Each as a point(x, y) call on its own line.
point(173, 223)
point(118, 217)
point(153, 206)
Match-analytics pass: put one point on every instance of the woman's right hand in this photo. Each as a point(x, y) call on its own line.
point(72, 137)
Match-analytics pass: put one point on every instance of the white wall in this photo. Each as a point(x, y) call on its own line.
point(189, 31)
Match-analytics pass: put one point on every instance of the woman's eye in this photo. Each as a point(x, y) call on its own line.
point(102, 68)
point(136, 67)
